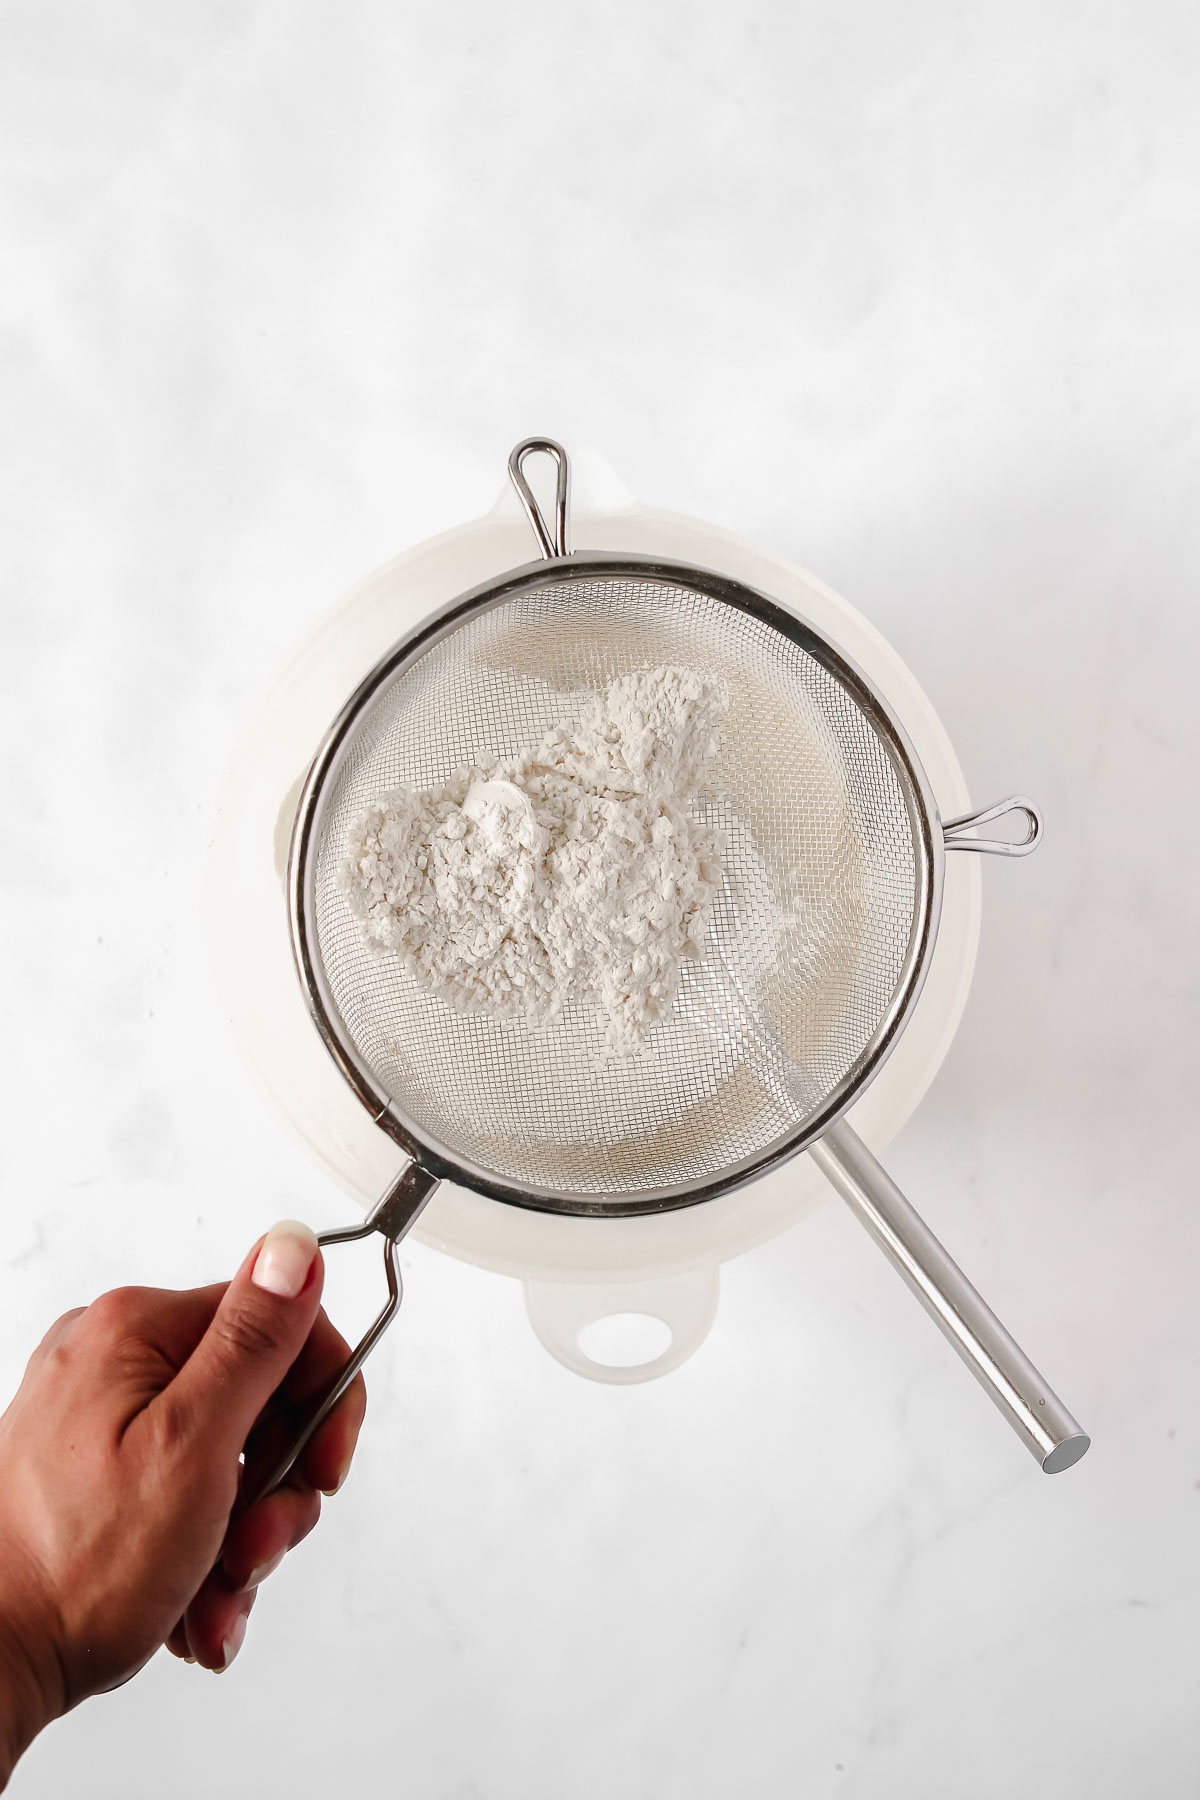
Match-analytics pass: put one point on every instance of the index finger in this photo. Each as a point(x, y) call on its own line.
point(325, 1459)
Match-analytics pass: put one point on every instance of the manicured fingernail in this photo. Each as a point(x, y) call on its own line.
point(189, 1659)
point(286, 1256)
point(264, 1569)
point(233, 1643)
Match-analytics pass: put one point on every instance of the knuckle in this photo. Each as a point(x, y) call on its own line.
point(247, 1335)
point(54, 1359)
point(53, 1347)
point(114, 1312)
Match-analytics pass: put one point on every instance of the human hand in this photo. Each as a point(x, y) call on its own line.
point(119, 1473)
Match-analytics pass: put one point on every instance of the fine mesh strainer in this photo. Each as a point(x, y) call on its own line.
point(817, 946)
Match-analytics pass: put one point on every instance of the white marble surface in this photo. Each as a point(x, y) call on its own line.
point(907, 293)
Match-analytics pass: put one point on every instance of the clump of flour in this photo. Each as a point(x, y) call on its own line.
point(573, 870)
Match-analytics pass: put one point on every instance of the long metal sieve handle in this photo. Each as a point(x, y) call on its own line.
point(393, 1217)
point(1000, 1366)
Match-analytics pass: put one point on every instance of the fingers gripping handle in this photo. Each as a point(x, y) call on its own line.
point(393, 1217)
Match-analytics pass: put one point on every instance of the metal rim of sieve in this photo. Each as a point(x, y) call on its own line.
point(443, 1161)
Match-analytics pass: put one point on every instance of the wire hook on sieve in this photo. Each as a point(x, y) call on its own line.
point(559, 544)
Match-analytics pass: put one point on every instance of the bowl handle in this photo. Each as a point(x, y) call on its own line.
point(560, 1311)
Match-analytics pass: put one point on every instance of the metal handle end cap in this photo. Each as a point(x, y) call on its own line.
point(1067, 1454)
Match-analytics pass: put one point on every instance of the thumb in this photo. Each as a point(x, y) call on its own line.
point(256, 1334)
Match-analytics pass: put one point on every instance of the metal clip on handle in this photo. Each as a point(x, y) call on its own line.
point(558, 545)
point(953, 830)
point(393, 1217)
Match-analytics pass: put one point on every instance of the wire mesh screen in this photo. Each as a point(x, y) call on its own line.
point(808, 938)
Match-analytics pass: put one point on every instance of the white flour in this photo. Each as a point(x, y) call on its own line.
point(572, 870)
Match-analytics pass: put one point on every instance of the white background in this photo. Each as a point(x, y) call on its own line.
point(907, 293)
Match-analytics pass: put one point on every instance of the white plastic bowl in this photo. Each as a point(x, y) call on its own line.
point(576, 1270)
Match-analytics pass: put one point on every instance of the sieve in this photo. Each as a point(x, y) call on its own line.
point(818, 942)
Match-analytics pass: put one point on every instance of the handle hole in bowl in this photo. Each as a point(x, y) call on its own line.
point(625, 1340)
